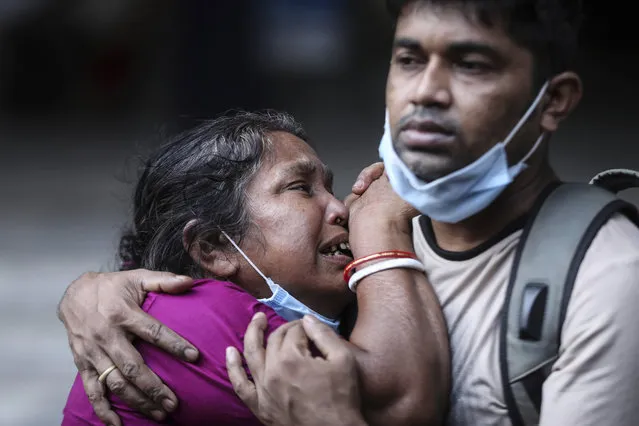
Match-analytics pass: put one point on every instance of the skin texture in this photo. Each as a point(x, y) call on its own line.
point(439, 71)
point(294, 214)
point(476, 83)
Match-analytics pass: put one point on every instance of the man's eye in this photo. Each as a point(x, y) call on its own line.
point(474, 66)
point(406, 61)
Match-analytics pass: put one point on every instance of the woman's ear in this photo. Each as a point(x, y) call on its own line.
point(211, 257)
point(564, 92)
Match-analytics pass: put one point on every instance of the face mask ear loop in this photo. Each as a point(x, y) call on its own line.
point(534, 148)
point(245, 256)
point(523, 120)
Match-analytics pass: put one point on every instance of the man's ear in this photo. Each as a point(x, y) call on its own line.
point(209, 256)
point(564, 93)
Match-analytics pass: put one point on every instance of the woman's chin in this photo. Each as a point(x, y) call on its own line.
point(341, 293)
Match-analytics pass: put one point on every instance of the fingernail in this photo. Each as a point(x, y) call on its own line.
point(231, 355)
point(190, 354)
point(358, 184)
point(168, 404)
point(182, 278)
point(158, 415)
point(257, 315)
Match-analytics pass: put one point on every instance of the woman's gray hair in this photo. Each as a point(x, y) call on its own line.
point(201, 176)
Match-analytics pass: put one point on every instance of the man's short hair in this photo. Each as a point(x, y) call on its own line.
point(548, 28)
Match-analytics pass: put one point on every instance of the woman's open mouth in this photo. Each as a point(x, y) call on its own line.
point(339, 254)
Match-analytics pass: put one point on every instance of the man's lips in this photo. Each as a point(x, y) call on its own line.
point(425, 134)
point(424, 140)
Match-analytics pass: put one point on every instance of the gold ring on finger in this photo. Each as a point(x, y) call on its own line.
point(106, 372)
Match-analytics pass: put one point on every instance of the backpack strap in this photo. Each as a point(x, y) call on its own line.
point(552, 246)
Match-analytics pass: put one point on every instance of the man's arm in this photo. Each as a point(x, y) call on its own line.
point(595, 379)
point(100, 313)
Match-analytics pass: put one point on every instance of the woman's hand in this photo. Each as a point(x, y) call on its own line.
point(101, 313)
point(373, 204)
point(290, 386)
point(366, 177)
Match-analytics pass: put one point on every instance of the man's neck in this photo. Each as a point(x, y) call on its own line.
point(517, 200)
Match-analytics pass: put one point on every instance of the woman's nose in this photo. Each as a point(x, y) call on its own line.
point(337, 213)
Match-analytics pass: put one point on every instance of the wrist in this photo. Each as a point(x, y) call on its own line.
point(380, 237)
point(396, 221)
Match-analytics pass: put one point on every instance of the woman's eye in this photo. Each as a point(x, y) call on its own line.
point(300, 187)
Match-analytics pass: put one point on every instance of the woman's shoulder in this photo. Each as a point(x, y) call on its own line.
point(210, 307)
point(212, 315)
point(200, 294)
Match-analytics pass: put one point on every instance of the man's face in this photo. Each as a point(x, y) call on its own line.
point(455, 88)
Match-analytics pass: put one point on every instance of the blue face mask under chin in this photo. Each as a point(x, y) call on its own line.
point(281, 301)
point(465, 192)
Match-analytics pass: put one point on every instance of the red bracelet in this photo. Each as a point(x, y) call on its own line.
point(397, 254)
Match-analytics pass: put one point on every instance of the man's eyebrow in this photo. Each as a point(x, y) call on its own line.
point(455, 48)
point(465, 47)
point(406, 43)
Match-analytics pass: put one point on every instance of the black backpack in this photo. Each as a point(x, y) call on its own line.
point(546, 263)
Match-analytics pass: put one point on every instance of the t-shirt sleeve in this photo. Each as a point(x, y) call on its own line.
point(212, 316)
point(594, 381)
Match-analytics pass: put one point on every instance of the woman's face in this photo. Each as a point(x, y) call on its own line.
point(296, 224)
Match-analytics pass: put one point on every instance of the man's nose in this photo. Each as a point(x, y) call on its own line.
point(432, 87)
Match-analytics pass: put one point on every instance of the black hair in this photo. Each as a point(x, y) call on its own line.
point(200, 174)
point(547, 28)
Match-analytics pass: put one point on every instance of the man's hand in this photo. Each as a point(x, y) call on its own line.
point(102, 315)
point(291, 386)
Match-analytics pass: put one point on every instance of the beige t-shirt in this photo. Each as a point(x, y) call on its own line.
point(595, 380)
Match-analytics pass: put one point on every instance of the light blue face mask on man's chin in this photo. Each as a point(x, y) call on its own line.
point(281, 301)
point(465, 192)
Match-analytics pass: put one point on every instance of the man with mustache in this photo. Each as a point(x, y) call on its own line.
point(475, 91)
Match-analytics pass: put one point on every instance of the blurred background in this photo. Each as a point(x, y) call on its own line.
point(87, 86)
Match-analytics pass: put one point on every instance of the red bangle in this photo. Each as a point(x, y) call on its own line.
point(397, 254)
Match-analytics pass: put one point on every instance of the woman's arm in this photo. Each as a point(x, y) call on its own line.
point(400, 341)
point(400, 337)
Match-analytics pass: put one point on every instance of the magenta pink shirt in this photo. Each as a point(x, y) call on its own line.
point(212, 316)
